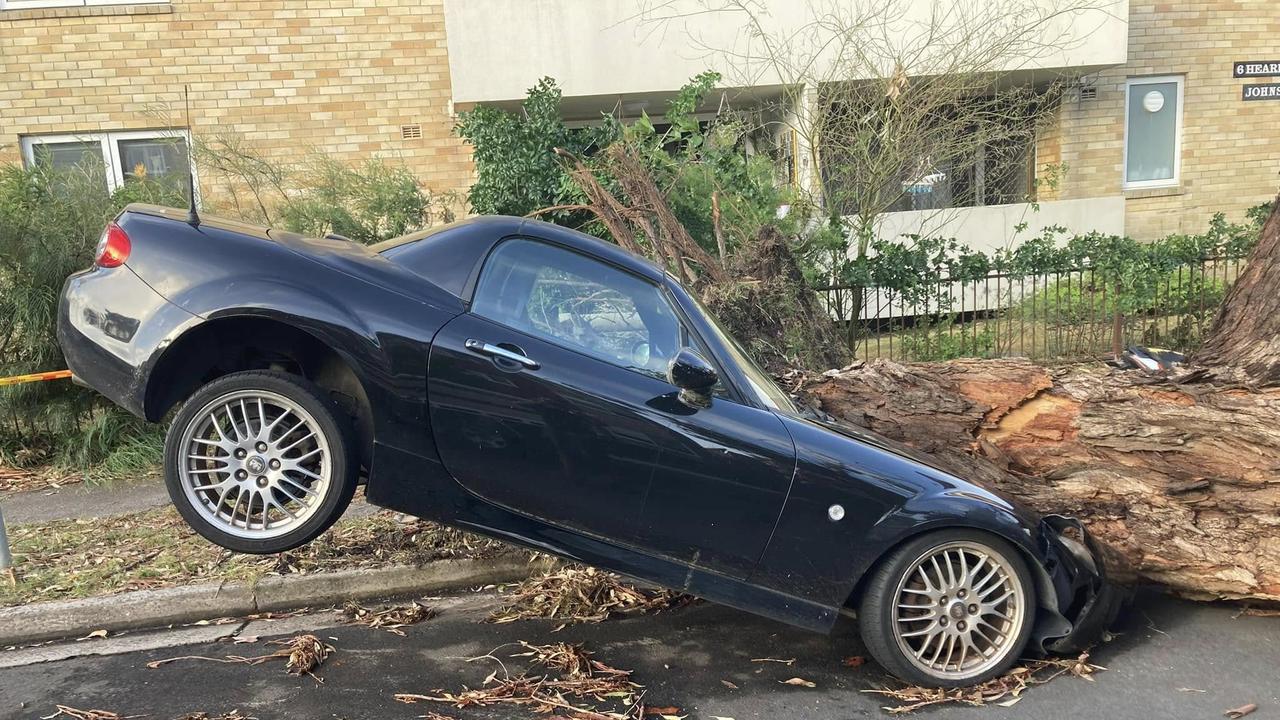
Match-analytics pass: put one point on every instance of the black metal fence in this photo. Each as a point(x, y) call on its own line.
point(1055, 317)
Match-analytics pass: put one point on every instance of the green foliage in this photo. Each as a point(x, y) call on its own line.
point(50, 222)
point(1078, 299)
point(942, 339)
point(696, 161)
point(368, 203)
point(517, 171)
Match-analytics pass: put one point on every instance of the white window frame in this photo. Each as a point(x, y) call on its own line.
point(109, 142)
point(1176, 180)
point(36, 4)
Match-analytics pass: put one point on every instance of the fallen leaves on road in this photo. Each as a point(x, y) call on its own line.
point(788, 661)
point(1005, 689)
point(304, 653)
point(799, 682)
point(391, 618)
point(569, 675)
point(233, 715)
point(1241, 711)
point(854, 661)
point(581, 594)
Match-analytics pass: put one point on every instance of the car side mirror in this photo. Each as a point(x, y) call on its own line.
point(695, 377)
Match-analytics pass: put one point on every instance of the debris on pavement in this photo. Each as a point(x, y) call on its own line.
point(1004, 690)
point(391, 618)
point(304, 653)
point(567, 677)
point(582, 594)
point(1241, 711)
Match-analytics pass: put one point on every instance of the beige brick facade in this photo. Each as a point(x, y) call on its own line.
point(340, 76)
point(1230, 148)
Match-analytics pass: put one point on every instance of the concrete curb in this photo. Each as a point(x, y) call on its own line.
point(143, 609)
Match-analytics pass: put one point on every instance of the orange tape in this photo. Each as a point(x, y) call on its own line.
point(35, 377)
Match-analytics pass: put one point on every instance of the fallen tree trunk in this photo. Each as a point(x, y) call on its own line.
point(1178, 481)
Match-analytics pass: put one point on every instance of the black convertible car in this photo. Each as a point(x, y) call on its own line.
point(543, 387)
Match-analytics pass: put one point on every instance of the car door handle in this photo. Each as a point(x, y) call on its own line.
point(484, 348)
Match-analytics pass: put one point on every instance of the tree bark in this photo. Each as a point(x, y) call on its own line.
point(1179, 482)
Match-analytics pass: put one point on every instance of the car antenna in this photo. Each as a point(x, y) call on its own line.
point(193, 218)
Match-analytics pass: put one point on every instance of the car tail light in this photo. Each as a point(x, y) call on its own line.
point(113, 249)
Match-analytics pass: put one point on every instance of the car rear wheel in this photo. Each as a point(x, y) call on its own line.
point(260, 462)
point(949, 609)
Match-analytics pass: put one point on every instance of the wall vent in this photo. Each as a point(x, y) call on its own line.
point(1088, 93)
point(410, 132)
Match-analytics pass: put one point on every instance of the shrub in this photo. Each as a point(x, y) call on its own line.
point(50, 221)
point(367, 203)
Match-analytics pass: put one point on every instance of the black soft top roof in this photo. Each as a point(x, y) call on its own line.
point(450, 256)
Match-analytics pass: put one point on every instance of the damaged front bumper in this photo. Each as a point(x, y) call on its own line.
point(1077, 603)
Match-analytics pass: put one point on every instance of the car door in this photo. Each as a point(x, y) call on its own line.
point(549, 397)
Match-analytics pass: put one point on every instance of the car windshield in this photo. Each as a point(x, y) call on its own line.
point(762, 386)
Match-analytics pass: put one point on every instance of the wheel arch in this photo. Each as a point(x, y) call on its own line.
point(237, 342)
point(1019, 540)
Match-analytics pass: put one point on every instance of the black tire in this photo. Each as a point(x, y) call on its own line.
point(878, 606)
point(329, 421)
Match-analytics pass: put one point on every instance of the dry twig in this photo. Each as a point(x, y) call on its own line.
point(77, 714)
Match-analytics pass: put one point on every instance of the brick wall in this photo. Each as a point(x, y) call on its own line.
point(1230, 148)
point(340, 76)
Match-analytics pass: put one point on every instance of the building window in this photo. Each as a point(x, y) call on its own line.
point(126, 156)
point(1152, 132)
point(31, 4)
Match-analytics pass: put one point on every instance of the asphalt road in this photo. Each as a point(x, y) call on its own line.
point(1174, 660)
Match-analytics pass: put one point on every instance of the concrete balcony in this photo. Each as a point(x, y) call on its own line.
point(606, 52)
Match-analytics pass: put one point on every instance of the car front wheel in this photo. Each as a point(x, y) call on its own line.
point(949, 609)
point(260, 462)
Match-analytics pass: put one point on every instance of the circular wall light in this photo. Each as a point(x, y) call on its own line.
point(1153, 101)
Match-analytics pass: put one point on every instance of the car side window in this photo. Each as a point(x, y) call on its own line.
point(579, 303)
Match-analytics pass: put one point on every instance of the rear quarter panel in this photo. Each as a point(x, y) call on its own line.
point(215, 273)
point(109, 324)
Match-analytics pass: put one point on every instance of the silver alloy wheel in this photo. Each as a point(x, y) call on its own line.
point(254, 464)
point(958, 610)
